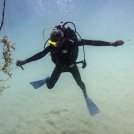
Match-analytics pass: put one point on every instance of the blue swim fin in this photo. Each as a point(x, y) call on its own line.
point(92, 107)
point(39, 83)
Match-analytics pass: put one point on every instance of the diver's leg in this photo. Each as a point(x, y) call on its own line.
point(76, 74)
point(54, 77)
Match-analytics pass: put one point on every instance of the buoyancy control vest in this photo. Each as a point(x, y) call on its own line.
point(65, 48)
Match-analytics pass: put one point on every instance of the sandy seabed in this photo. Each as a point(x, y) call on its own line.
point(24, 110)
point(62, 110)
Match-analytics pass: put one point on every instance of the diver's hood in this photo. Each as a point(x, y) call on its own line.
point(55, 36)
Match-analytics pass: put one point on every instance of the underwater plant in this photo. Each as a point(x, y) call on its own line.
point(6, 61)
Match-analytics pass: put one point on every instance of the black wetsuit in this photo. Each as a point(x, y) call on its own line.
point(64, 56)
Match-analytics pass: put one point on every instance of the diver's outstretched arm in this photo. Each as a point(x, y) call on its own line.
point(100, 43)
point(34, 57)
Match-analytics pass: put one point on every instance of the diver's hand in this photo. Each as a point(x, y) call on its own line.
point(20, 63)
point(117, 43)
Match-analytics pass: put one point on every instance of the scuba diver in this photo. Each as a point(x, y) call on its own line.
point(64, 48)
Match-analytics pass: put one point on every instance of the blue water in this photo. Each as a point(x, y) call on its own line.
point(108, 77)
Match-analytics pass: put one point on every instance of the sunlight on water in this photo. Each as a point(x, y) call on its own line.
point(43, 6)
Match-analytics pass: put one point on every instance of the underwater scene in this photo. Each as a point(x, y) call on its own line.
point(66, 67)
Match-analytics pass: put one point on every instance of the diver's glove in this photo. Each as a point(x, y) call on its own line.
point(20, 63)
point(117, 43)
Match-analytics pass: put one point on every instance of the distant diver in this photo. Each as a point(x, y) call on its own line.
point(64, 43)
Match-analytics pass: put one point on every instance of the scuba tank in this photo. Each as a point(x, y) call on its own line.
point(70, 34)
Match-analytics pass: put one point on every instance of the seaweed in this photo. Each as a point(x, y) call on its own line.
point(6, 61)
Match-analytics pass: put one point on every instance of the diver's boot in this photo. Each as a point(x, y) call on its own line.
point(83, 88)
point(84, 92)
